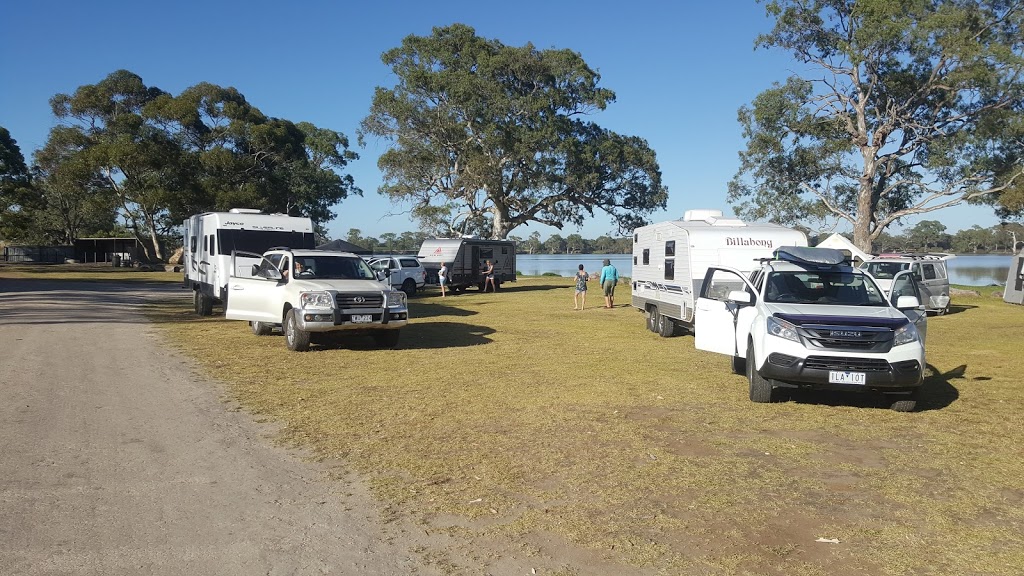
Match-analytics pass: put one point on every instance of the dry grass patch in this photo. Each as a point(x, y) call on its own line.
point(503, 417)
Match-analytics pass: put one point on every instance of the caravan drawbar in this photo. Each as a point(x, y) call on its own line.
point(671, 258)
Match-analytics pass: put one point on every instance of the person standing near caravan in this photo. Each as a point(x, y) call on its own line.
point(609, 278)
point(581, 289)
point(442, 277)
point(489, 276)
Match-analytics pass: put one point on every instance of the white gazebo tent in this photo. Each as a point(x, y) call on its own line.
point(839, 242)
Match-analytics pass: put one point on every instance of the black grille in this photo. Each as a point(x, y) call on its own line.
point(846, 364)
point(360, 300)
point(859, 338)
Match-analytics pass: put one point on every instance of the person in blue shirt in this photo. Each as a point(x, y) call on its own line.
point(609, 278)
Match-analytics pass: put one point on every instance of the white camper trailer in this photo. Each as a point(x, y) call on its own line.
point(670, 259)
point(465, 259)
point(210, 238)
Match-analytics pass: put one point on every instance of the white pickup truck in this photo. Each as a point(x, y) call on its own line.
point(808, 319)
point(311, 293)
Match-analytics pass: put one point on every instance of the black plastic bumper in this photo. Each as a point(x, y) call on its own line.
point(792, 372)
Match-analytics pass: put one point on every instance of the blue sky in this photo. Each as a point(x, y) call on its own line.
point(680, 72)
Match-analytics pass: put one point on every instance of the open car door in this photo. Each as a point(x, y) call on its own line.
point(256, 299)
point(721, 317)
point(905, 284)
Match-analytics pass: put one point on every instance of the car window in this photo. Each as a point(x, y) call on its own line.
point(409, 263)
point(838, 288)
point(885, 270)
point(929, 271)
point(721, 283)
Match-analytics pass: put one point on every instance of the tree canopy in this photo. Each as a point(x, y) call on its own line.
point(162, 157)
point(908, 106)
point(485, 134)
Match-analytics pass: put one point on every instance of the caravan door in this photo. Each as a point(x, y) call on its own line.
point(721, 324)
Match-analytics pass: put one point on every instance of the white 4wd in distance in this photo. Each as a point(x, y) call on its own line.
point(310, 293)
point(404, 272)
point(807, 319)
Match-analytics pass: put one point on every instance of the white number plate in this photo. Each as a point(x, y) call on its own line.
point(838, 377)
point(362, 318)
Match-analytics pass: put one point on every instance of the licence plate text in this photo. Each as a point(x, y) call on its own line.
point(362, 318)
point(840, 377)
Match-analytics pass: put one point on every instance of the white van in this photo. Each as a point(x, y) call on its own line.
point(670, 259)
point(929, 270)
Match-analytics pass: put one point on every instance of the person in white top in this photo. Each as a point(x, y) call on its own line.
point(442, 277)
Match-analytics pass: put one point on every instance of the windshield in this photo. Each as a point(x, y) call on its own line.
point(332, 268)
point(835, 288)
point(259, 241)
point(885, 270)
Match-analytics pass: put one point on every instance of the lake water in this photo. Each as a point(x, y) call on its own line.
point(970, 269)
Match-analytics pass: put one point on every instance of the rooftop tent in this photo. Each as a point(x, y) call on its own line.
point(343, 246)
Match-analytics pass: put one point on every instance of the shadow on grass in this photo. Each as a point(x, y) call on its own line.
point(957, 308)
point(532, 287)
point(418, 336)
point(936, 393)
point(418, 310)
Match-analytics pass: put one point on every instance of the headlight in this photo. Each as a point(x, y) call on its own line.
point(395, 299)
point(316, 300)
point(782, 329)
point(906, 335)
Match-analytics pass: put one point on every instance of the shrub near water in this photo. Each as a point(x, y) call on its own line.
point(511, 418)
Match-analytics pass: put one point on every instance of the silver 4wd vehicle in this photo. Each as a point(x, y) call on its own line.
point(310, 293)
point(403, 272)
point(929, 270)
point(807, 319)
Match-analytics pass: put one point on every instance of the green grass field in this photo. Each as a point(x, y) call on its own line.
point(511, 424)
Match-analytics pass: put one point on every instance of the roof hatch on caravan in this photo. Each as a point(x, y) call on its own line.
point(712, 217)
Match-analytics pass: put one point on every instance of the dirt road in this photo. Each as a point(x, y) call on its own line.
point(117, 458)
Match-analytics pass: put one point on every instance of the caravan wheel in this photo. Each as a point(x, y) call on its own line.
point(666, 326)
point(652, 318)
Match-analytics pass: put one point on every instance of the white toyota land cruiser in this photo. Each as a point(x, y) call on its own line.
point(808, 319)
point(313, 292)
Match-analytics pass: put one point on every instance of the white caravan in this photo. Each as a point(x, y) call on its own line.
point(465, 260)
point(209, 239)
point(671, 258)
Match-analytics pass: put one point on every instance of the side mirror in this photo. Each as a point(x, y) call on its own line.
point(739, 296)
point(907, 302)
point(272, 273)
point(255, 270)
point(382, 275)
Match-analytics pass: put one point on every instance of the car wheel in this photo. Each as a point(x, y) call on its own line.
point(739, 365)
point(296, 338)
point(666, 326)
point(409, 287)
point(652, 318)
point(386, 338)
point(761, 389)
point(261, 328)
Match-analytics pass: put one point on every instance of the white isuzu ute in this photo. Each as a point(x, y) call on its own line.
point(310, 293)
point(808, 319)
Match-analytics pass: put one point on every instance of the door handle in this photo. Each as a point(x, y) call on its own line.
point(237, 287)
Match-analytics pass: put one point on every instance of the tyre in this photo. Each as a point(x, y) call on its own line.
point(666, 326)
point(195, 301)
point(652, 318)
point(204, 304)
point(761, 389)
point(261, 328)
point(296, 338)
point(904, 403)
point(739, 365)
point(409, 287)
point(386, 338)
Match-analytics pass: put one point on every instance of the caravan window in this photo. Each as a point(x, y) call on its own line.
point(213, 249)
point(670, 248)
point(259, 241)
point(647, 256)
point(204, 244)
point(194, 243)
point(670, 269)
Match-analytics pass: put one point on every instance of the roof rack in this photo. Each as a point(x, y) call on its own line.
point(288, 248)
point(917, 256)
